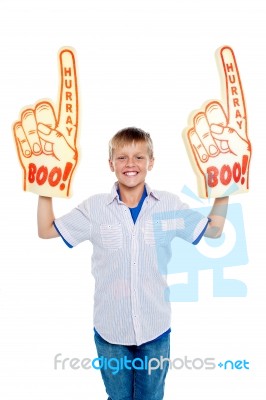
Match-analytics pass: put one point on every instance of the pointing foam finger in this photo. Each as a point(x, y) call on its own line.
point(234, 92)
point(68, 99)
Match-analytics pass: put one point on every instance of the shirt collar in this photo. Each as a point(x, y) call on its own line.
point(114, 195)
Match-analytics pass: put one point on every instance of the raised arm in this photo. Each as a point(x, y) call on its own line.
point(217, 217)
point(45, 218)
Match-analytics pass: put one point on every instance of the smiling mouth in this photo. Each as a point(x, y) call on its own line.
point(131, 173)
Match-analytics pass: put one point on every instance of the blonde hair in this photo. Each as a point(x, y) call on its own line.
point(130, 135)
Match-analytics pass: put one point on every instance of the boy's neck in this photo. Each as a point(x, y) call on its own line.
point(131, 196)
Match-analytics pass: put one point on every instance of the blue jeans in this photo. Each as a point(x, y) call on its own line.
point(135, 381)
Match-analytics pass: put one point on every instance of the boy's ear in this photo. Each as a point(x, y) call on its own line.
point(111, 165)
point(151, 163)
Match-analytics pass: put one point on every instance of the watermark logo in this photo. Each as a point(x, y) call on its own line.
point(115, 365)
point(230, 364)
point(228, 251)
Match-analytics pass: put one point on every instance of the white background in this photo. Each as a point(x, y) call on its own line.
point(148, 64)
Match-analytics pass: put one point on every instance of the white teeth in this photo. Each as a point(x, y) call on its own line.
point(130, 173)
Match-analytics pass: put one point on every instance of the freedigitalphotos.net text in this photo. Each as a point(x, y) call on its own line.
point(148, 364)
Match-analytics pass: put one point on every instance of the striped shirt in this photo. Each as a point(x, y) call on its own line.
point(129, 261)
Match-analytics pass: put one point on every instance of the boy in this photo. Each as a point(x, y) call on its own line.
point(131, 314)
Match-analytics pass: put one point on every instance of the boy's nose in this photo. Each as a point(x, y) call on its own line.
point(130, 162)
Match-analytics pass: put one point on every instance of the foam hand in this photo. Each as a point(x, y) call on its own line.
point(217, 142)
point(46, 139)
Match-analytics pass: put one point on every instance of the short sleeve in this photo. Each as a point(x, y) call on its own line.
point(187, 224)
point(74, 227)
point(200, 230)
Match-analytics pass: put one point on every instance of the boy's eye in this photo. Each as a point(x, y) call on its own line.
point(124, 157)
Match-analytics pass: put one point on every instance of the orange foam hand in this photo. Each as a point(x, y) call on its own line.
point(217, 138)
point(46, 140)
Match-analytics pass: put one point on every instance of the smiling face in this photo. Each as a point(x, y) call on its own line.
point(130, 163)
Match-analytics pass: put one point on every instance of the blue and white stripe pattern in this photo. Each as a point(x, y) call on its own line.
point(129, 303)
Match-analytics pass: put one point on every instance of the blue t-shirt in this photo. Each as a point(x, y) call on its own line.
point(136, 210)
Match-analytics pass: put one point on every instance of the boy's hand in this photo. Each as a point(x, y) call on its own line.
point(218, 141)
point(46, 141)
